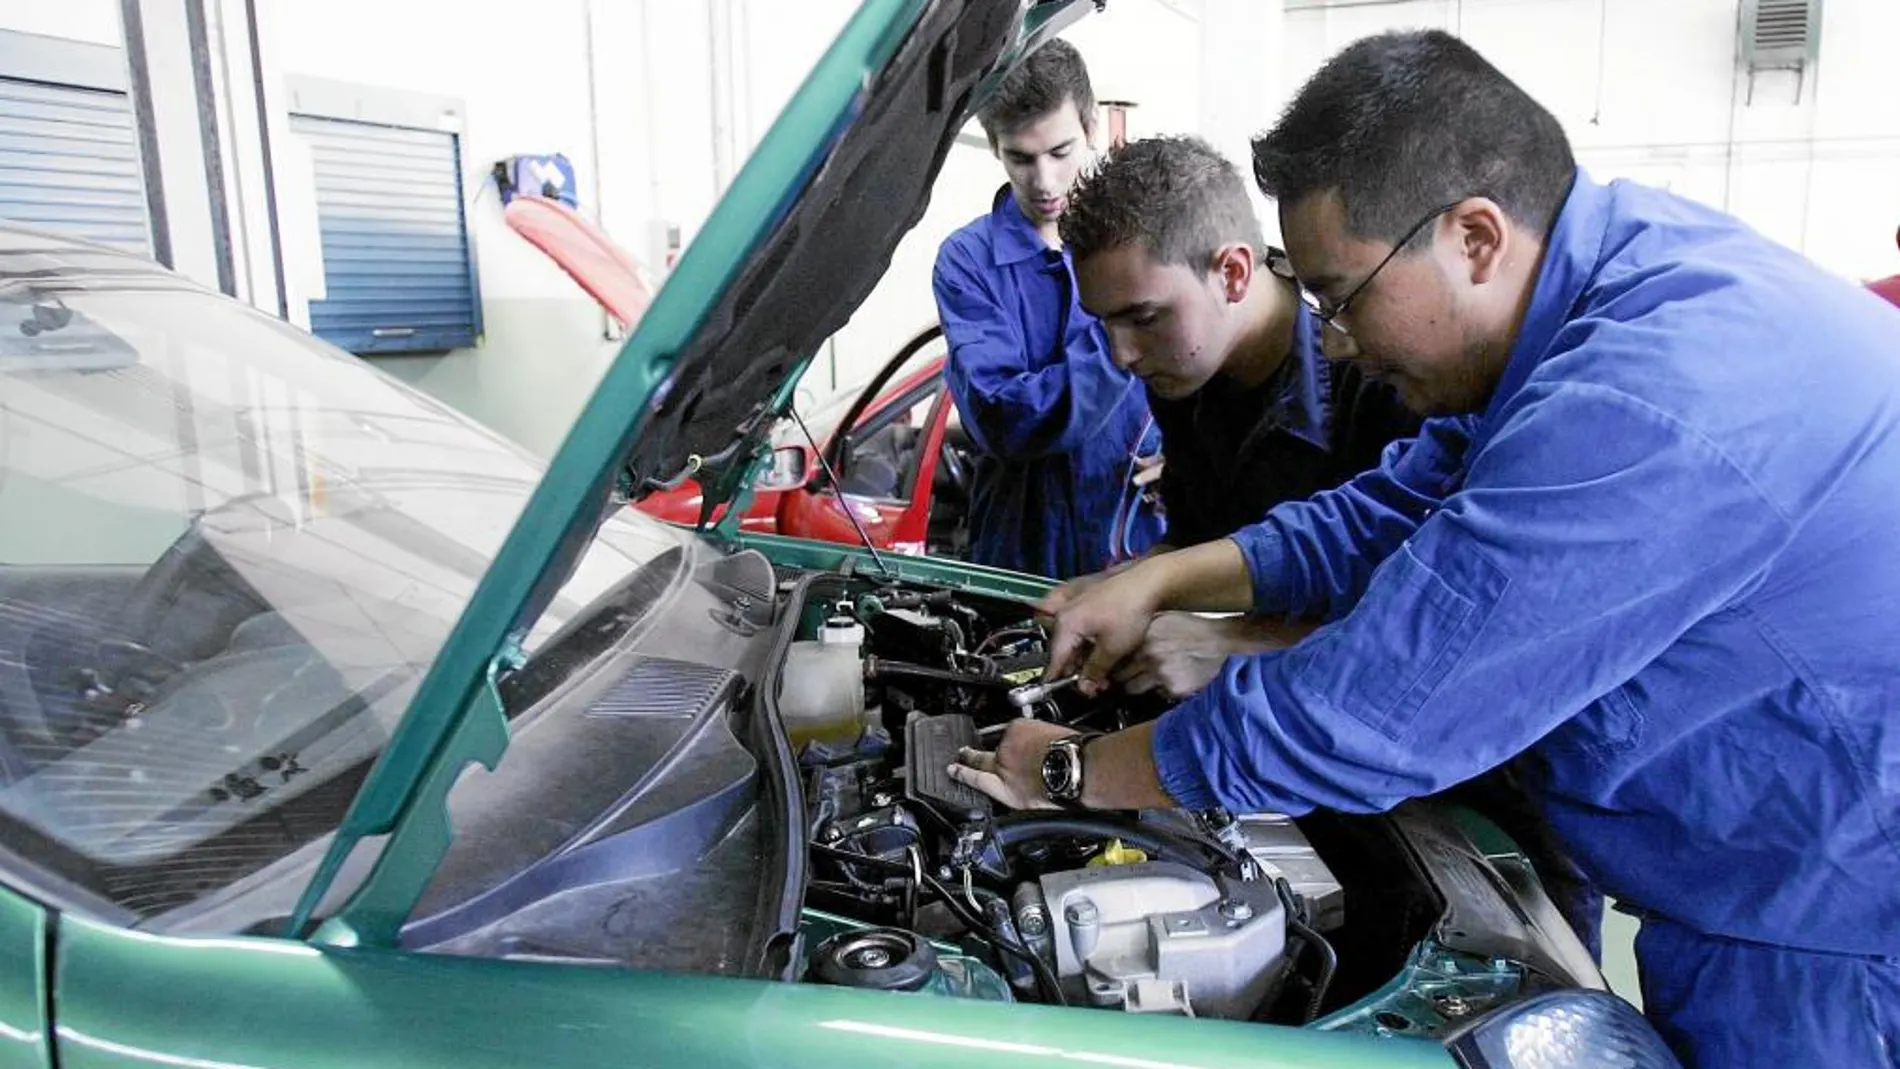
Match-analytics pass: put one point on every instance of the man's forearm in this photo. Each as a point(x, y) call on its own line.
point(1210, 577)
point(1119, 772)
point(1257, 634)
point(1146, 555)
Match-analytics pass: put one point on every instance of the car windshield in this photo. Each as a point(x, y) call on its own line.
point(228, 555)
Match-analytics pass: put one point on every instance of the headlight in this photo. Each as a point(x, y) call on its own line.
point(1563, 1030)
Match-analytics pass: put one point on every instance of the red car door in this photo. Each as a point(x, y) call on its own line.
point(892, 448)
point(889, 459)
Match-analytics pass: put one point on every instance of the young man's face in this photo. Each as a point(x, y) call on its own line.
point(1421, 324)
point(1167, 323)
point(1042, 159)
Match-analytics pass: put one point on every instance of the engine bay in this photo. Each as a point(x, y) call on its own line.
point(918, 883)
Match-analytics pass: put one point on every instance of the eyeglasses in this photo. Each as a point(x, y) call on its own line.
point(1327, 315)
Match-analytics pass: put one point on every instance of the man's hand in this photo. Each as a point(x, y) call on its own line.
point(1102, 619)
point(1179, 655)
point(1117, 773)
point(1012, 775)
point(1182, 652)
point(1061, 597)
point(1098, 624)
point(1148, 469)
point(1053, 602)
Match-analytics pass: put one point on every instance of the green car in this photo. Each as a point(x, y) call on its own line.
point(262, 608)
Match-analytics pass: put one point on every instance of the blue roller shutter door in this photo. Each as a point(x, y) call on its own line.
point(398, 273)
point(69, 161)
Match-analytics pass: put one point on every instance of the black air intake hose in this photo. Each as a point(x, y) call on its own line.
point(881, 668)
point(1009, 833)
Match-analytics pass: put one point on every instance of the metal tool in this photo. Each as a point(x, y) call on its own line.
point(1033, 694)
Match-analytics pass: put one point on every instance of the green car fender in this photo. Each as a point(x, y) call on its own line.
point(124, 998)
point(23, 926)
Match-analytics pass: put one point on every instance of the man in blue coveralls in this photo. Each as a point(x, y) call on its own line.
point(1169, 255)
point(1663, 564)
point(1055, 423)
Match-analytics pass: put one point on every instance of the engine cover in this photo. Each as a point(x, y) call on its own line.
point(1159, 936)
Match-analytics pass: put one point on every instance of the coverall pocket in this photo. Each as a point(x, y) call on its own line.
point(1409, 631)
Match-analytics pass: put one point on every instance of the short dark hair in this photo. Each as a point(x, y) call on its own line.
point(1175, 196)
point(1052, 76)
point(1401, 123)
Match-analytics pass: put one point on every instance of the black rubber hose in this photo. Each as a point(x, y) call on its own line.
point(1016, 829)
point(1328, 957)
point(1045, 979)
point(879, 668)
point(916, 839)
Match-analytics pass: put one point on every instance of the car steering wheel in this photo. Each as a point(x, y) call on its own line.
point(954, 467)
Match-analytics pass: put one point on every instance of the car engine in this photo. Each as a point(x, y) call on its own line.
point(761, 789)
point(918, 882)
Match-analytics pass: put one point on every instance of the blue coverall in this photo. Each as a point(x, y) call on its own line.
point(1667, 564)
point(1054, 421)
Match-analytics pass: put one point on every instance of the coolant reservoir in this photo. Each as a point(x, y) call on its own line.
point(821, 689)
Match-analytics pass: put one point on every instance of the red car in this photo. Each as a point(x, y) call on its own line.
point(901, 459)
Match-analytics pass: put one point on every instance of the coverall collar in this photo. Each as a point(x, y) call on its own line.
point(1014, 239)
point(1571, 254)
point(1300, 402)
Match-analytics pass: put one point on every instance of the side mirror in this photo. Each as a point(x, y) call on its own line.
point(787, 471)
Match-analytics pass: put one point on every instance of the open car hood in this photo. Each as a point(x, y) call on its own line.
point(793, 247)
point(832, 244)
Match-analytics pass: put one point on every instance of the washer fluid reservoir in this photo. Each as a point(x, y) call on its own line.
point(821, 689)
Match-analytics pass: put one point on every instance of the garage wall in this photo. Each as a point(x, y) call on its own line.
point(681, 94)
point(522, 88)
point(657, 103)
point(93, 21)
point(1650, 91)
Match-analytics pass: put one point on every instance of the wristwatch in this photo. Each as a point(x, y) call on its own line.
point(1062, 768)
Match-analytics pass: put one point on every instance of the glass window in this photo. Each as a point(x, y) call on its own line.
point(228, 554)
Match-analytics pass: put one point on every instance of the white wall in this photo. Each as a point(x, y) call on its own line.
point(681, 92)
point(523, 82)
point(522, 79)
point(1239, 95)
point(1146, 51)
point(93, 21)
point(1651, 91)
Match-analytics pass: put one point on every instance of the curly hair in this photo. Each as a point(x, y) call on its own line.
point(1175, 196)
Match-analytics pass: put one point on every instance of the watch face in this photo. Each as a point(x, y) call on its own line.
point(1058, 772)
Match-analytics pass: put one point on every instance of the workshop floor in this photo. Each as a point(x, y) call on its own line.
point(1619, 957)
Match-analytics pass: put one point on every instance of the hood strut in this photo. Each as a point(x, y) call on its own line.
point(837, 489)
